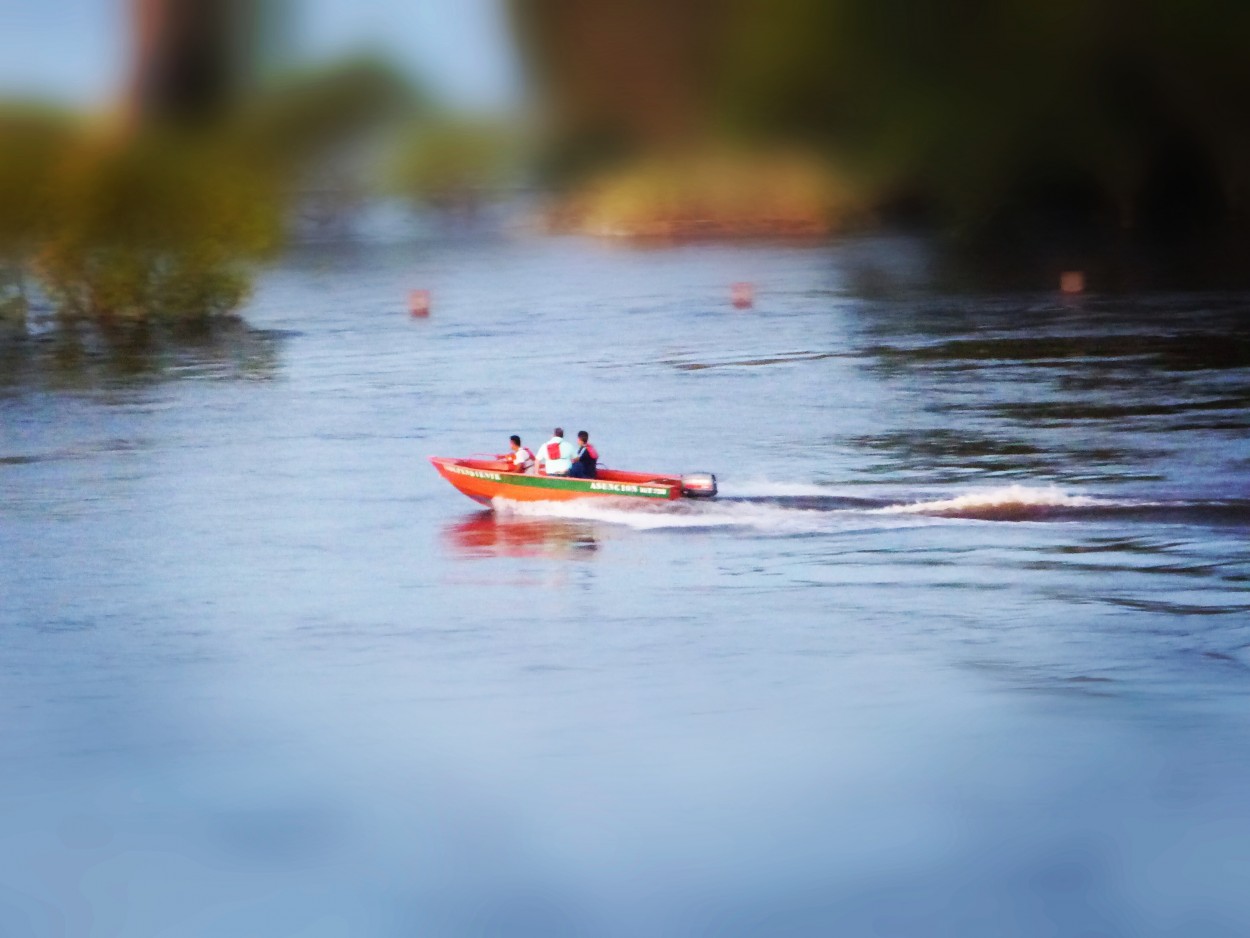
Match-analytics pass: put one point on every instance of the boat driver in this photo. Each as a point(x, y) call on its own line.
point(556, 455)
point(520, 457)
point(586, 462)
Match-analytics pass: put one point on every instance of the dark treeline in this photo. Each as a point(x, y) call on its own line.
point(1095, 114)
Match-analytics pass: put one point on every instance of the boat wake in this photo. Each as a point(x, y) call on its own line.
point(1005, 504)
point(678, 514)
point(788, 508)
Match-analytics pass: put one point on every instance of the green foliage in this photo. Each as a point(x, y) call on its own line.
point(156, 227)
point(308, 115)
point(1124, 113)
point(453, 164)
point(978, 104)
point(32, 141)
point(126, 224)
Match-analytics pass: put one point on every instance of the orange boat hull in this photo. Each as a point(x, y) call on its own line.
point(484, 480)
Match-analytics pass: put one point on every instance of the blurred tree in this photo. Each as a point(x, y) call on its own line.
point(320, 133)
point(183, 69)
point(156, 226)
point(167, 219)
point(1083, 112)
point(454, 164)
point(310, 115)
point(619, 81)
point(164, 213)
point(193, 61)
point(32, 142)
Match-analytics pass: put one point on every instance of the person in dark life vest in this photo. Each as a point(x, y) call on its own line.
point(520, 459)
point(555, 457)
point(586, 462)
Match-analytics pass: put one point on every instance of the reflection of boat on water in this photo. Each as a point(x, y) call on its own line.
point(488, 534)
point(486, 479)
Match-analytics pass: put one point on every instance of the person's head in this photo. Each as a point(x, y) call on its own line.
point(515, 441)
point(583, 436)
point(559, 431)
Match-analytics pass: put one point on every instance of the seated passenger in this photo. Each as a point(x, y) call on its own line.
point(556, 456)
point(586, 462)
point(520, 458)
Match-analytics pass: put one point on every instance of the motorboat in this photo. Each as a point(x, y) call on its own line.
point(485, 479)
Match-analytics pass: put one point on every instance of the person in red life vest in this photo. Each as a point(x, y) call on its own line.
point(555, 456)
point(586, 462)
point(520, 458)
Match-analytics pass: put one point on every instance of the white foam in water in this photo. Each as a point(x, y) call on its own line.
point(678, 514)
point(1011, 496)
point(766, 516)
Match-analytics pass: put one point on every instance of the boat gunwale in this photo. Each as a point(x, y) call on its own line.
point(609, 482)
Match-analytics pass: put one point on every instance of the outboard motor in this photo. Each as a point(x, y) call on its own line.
point(698, 485)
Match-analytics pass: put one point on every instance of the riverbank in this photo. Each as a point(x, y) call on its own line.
point(712, 196)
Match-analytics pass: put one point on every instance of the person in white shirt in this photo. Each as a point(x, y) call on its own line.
point(556, 456)
point(520, 457)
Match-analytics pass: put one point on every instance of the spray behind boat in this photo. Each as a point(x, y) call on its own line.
point(698, 485)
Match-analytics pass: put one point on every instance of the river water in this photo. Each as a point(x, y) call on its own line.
point(963, 649)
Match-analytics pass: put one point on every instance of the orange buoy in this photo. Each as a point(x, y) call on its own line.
point(1072, 281)
point(419, 303)
point(742, 294)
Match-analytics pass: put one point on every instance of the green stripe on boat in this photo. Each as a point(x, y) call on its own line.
point(562, 482)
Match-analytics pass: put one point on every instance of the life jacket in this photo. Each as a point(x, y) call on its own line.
point(558, 455)
point(588, 456)
point(522, 458)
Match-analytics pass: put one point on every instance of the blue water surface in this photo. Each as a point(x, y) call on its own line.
point(963, 649)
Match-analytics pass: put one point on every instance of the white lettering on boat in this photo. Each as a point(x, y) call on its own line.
point(620, 488)
point(476, 473)
point(625, 488)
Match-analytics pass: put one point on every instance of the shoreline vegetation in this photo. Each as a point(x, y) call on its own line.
point(115, 219)
point(985, 123)
point(717, 195)
point(653, 122)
